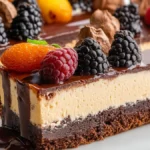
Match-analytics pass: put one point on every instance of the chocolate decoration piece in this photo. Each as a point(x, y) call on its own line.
point(97, 34)
point(110, 5)
point(24, 108)
point(7, 99)
point(108, 23)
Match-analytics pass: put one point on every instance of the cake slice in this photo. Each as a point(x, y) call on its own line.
point(79, 110)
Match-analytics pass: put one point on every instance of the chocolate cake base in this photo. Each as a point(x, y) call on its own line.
point(92, 128)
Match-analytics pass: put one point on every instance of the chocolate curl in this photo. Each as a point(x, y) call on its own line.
point(97, 34)
point(108, 23)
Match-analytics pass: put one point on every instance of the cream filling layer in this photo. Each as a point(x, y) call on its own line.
point(91, 98)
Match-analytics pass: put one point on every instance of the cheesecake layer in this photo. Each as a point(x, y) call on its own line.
point(83, 99)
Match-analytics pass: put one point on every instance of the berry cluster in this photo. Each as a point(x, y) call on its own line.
point(124, 51)
point(84, 5)
point(3, 36)
point(92, 60)
point(28, 22)
point(129, 18)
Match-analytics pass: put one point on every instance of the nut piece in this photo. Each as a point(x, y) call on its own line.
point(8, 12)
point(110, 5)
point(97, 34)
point(109, 24)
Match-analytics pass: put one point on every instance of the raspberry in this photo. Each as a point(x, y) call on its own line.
point(59, 65)
point(92, 60)
point(124, 50)
point(147, 17)
point(24, 57)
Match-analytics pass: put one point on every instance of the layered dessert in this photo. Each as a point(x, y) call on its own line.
point(80, 110)
point(56, 97)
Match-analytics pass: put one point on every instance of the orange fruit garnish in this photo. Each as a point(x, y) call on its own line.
point(24, 57)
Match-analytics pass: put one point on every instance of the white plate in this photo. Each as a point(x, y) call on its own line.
point(136, 139)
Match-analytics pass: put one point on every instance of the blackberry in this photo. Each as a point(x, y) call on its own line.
point(124, 50)
point(84, 5)
point(27, 24)
point(91, 58)
point(129, 18)
point(3, 35)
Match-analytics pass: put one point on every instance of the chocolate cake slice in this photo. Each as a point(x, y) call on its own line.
point(79, 111)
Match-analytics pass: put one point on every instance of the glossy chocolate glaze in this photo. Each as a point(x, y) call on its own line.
point(24, 106)
point(7, 98)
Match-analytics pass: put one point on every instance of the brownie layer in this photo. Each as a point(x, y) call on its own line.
point(72, 134)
